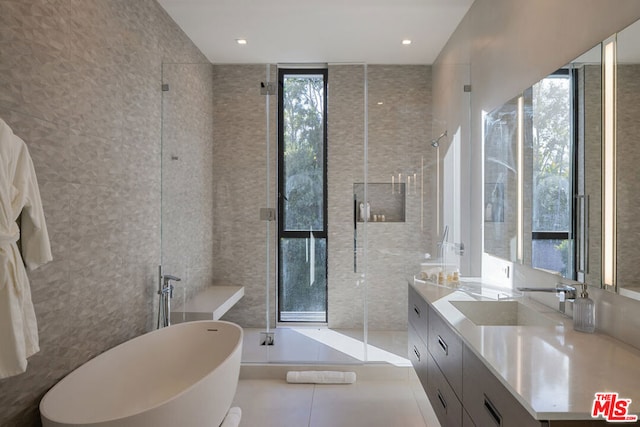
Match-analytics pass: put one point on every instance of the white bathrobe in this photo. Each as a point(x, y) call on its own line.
point(19, 198)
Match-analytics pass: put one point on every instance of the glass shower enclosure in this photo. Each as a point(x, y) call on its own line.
point(222, 200)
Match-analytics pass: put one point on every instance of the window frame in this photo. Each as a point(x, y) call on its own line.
point(299, 234)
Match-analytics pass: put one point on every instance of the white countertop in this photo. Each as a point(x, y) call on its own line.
point(553, 371)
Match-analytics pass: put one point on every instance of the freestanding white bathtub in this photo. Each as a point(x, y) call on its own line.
point(183, 375)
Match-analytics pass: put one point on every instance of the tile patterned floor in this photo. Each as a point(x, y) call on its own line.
point(387, 392)
point(367, 403)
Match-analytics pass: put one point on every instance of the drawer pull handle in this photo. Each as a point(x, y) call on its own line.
point(415, 350)
point(417, 310)
point(442, 401)
point(497, 418)
point(443, 345)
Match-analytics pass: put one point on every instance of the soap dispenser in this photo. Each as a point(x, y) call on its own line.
point(584, 317)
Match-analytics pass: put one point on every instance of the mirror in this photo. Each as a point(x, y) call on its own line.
point(543, 159)
point(500, 181)
point(627, 158)
point(542, 173)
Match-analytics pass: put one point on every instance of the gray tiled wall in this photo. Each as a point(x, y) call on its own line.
point(399, 131)
point(627, 175)
point(187, 176)
point(346, 167)
point(240, 188)
point(398, 134)
point(80, 83)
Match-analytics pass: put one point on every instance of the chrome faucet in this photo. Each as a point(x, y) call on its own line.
point(562, 290)
point(164, 304)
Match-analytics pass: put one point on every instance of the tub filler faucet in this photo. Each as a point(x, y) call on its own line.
point(563, 291)
point(165, 293)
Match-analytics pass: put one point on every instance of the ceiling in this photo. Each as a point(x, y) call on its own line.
point(327, 31)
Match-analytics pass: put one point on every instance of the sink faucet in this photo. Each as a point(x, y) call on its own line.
point(562, 290)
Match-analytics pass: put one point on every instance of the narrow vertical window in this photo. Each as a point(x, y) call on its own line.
point(302, 190)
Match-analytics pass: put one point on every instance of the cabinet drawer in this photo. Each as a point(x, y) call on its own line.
point(446, 348)
point(418, 355)
point(466, 419)
point(488, 402)
point(444, 401)
point(418, 313)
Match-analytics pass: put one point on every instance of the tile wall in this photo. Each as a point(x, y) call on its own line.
point(240, 188)
point(399, 131)
point(80, 83)
point(187, 176)
point(627, 175)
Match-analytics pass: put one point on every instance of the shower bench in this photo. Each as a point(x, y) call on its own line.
point(210, 303)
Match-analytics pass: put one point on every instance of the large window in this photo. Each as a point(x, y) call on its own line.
point(553, 174)
point(302, 189)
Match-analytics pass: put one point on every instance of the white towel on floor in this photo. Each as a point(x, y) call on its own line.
point(233, 418)
point(321, 377)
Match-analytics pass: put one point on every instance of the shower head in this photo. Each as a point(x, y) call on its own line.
point(435, 143)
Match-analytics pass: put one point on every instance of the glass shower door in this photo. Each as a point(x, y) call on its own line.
point(187, 237)
point(400, 187)
point(221, 205)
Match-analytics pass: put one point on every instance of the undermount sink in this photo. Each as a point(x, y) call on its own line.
point(502, 313)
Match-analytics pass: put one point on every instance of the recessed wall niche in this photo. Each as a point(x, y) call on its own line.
point(386, 202)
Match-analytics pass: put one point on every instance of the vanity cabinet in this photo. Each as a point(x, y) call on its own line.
point(466, 419)
point(418, 355)
point(486, 400)
point(443, 399)
point(417, 336)
point(418, 313)
point(462, 391)
point(445, 347)
point(435, 353)
point(461, 386)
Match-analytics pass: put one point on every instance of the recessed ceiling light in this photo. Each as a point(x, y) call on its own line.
point(241, 41)
point(406, 42)
point(380, 103)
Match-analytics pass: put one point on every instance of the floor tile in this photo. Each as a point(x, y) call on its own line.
point(428, 414)
point(376, 399)
point(272, 403)
point(370, 403)
point(366, 404)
